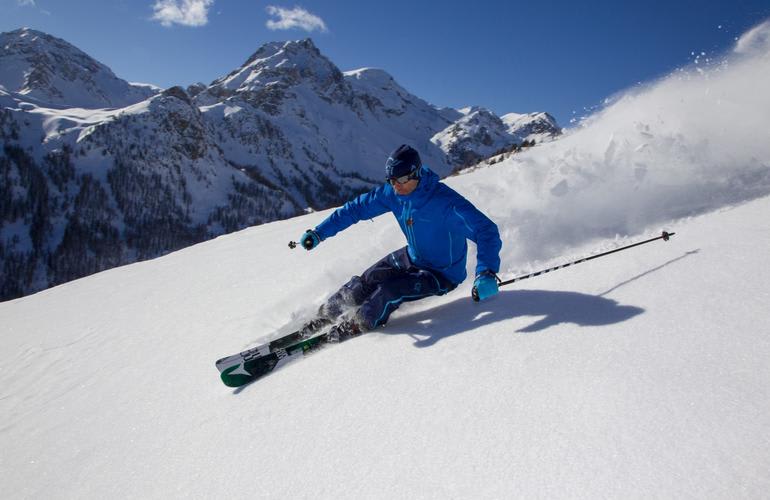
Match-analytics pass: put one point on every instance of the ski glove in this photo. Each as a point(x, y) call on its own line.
point(485, 286)
point(310, 240)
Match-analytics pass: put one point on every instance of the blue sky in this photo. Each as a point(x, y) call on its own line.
point(559, 56)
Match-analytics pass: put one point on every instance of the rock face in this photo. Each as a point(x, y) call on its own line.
point(96, 172)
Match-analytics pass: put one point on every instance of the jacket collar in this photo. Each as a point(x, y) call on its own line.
point(428, 182)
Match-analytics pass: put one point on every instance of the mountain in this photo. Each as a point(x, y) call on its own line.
point(478, 134)
point(98, 172)
point(325, 127)
point(111, 187)
point(49, 71)
point(474, 136)
point(538, 127)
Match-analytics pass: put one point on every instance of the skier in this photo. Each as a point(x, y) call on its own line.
point(436, 221)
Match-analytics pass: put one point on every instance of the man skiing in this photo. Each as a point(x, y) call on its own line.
point(436, 221)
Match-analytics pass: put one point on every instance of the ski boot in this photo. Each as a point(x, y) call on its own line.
point(343, 331)
point(313, 326)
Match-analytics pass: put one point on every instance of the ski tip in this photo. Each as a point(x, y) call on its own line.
point(237, 379)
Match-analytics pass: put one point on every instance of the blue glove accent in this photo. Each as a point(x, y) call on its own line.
point(310, 240)
point(485, 286)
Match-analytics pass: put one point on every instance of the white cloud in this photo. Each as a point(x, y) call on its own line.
point(33, 4)
point(294, 18)
point(184, 12)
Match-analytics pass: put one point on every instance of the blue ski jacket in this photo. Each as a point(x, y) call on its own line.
point(436, 221)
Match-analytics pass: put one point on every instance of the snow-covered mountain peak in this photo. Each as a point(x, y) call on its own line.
point(476, 113)
point(473, 110)
point(378, 88)
point(288, 49)
point(512, 118)
point(477, 134)
point(531, 126)
point(480, 123)
point(371, 76)
point(51, 71)
point(281, 63)
point(378, 83)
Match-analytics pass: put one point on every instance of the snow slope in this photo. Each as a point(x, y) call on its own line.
point(642, 374)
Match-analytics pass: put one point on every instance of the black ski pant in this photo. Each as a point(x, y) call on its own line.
point(382, 288)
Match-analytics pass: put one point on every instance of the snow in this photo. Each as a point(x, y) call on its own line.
point(381, 85)
point(756, 41)
point(642, 374)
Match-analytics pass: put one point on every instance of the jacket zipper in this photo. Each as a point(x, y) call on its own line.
point(410, 236)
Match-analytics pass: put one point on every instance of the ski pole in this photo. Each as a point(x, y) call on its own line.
point(665, 237)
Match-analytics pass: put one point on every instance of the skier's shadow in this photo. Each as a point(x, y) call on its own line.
point(551, 307)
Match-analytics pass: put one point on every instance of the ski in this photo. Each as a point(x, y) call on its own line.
point(308, 331)
point(247, 366)
point(261, 350)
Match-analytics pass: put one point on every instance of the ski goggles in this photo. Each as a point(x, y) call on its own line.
point(403, 179)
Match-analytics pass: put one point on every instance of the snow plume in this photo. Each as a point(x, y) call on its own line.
point(184, 12)
point(294, 18)
point(755, 41)
point(694, 141)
